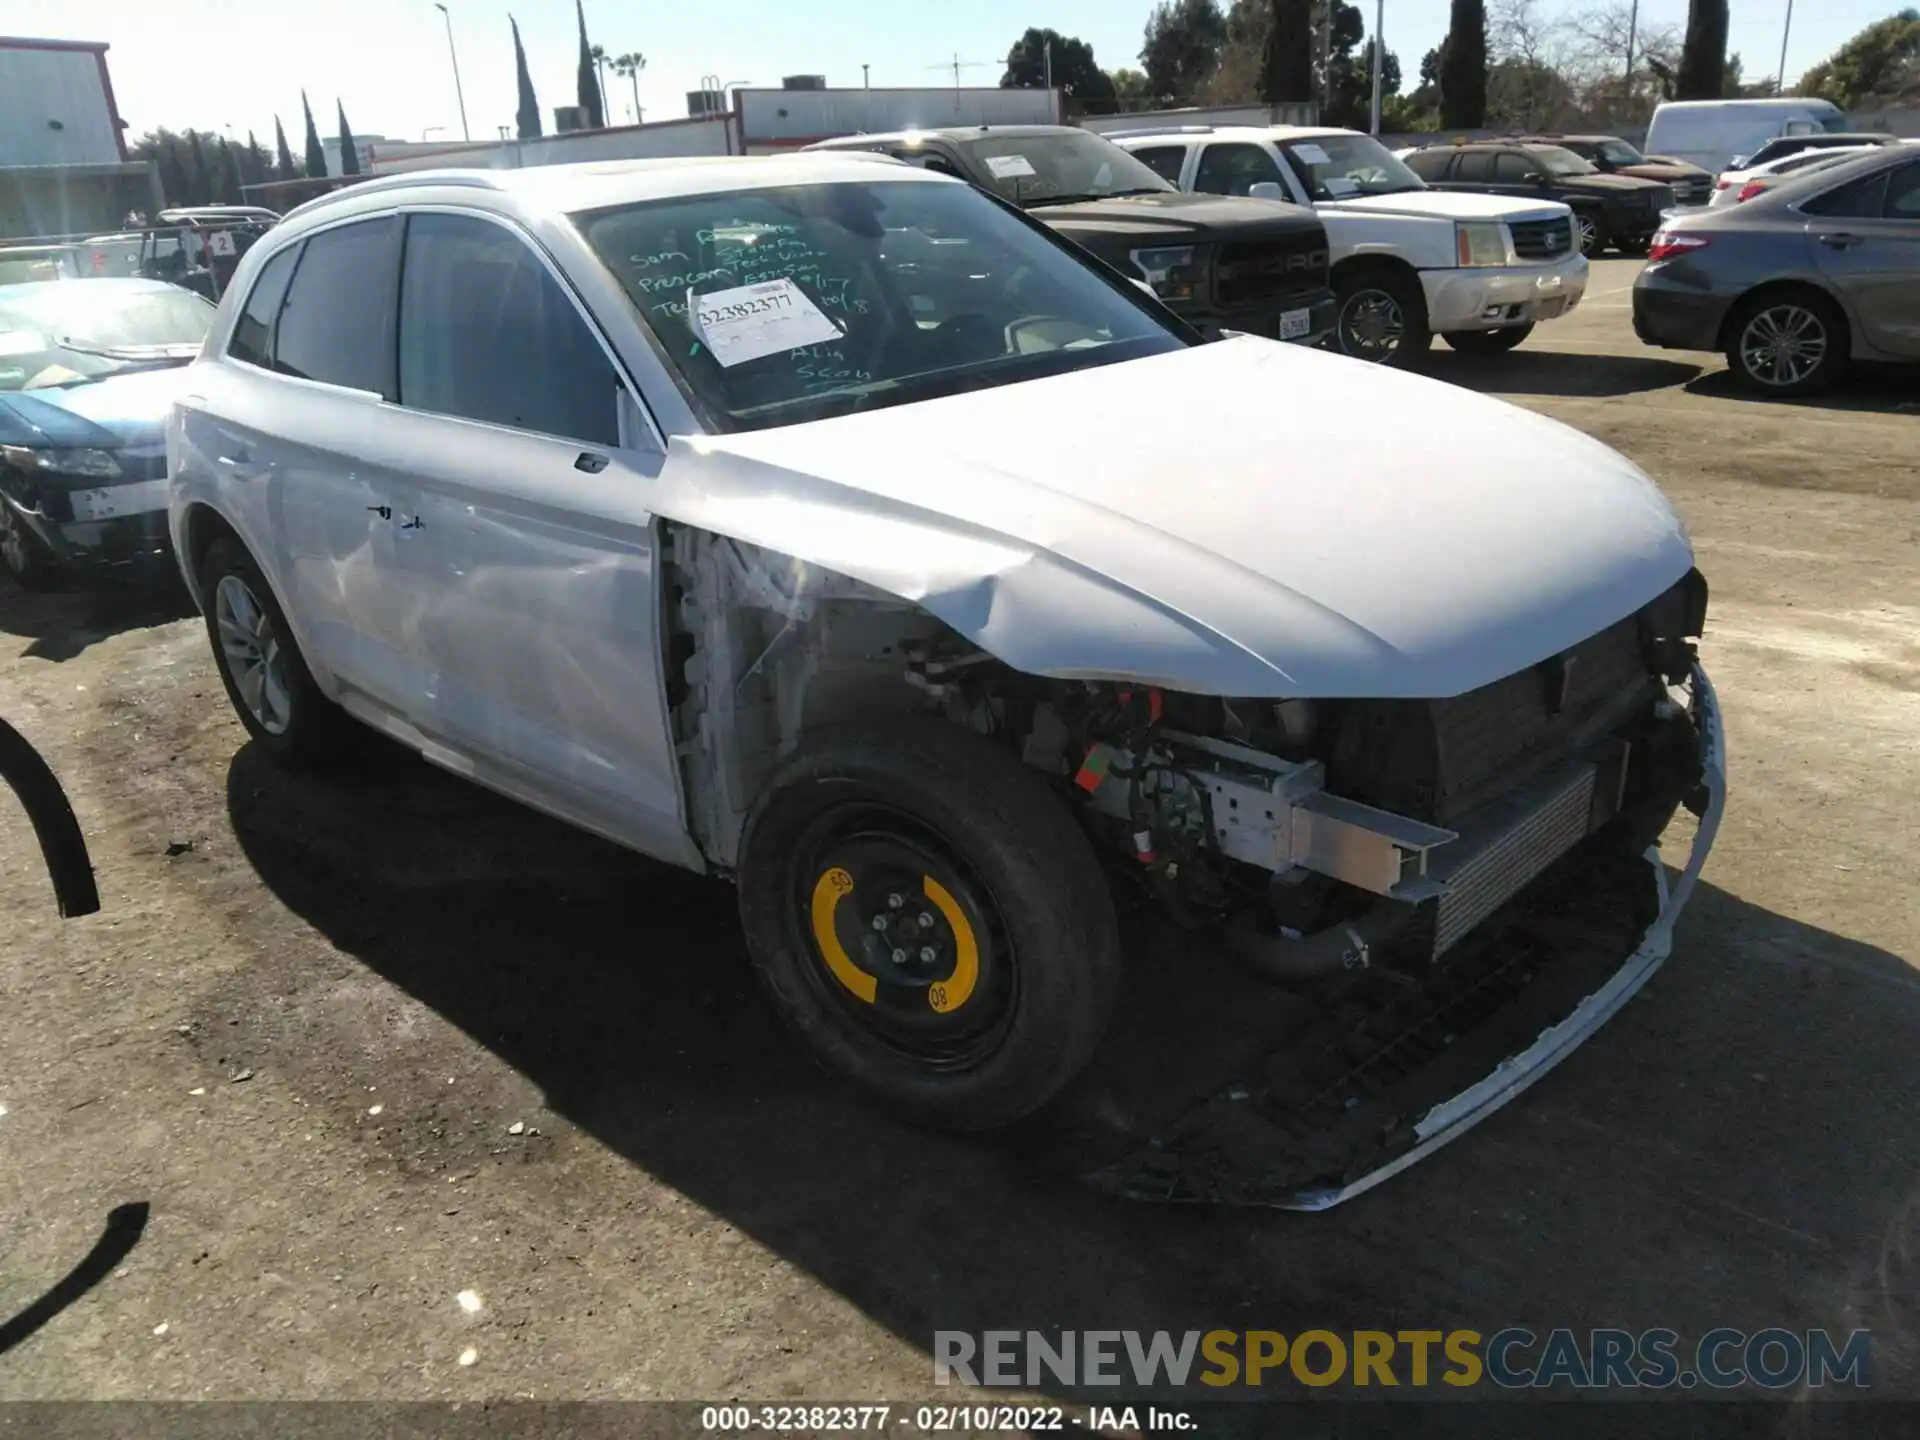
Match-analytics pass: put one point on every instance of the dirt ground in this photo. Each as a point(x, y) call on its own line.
point(362, 1044)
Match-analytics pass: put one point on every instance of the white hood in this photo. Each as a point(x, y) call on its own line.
point(1449, 205)
point(1241, 518)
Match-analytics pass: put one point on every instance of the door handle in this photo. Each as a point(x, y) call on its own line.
point(1841, 241)
point(413, 524)
point(385, 512)
point(591, 462)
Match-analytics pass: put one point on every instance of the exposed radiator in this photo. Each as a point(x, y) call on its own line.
point(1529, 830)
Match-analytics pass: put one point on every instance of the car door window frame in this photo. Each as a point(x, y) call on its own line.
point(393, 331)
point(1277, 177)
point(292, 252)
point(1179, 170)
point(1515, 167)
point(1908, 172)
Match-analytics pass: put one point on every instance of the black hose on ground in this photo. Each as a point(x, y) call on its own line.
point(61, 843)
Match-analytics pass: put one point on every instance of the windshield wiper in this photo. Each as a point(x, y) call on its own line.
point(1060, 199)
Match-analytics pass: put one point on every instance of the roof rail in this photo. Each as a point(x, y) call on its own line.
point(404, 180)
point(1158, 130)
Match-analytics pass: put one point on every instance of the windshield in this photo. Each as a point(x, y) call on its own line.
point(1050, 169)
point(1340, 166)
point(71, 333)
point(783, 305)
point(1560, 161)
point(1618, 152)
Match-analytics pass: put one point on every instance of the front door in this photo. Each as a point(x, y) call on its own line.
point(1873, 255)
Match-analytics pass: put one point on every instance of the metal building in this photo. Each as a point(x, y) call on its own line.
point(64, 167)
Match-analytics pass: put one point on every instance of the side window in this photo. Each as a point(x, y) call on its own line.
point(1903, 194)
point(253, 332)
point(486, 333)
point(927, 160)
point(1234, 169)
point(1862, 199)
point(1475, 167)
point(1166, 161)
point(1429, 164)
point(1512, 169)
point(337, 323)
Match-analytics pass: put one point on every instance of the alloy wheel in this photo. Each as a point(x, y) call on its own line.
point(1371, 325)
point(252, 653)
point(1782, 345)
point(1589, 235)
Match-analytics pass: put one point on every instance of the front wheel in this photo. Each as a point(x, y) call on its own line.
point(929, 919)
point(1383, 317)
point(1488, 342)
point(1593, 233)
point(1787, 343)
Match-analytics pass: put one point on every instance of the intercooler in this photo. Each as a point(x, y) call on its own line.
point(1489, 865)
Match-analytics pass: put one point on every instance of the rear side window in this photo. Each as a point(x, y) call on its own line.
point(1860, 199)
point(487, 333)
point(1428, 164)
point(253, 331)
point(1903, 194)
point(1234, 169)
point(1166, 161)
point(337, 323)
point(1475, 168)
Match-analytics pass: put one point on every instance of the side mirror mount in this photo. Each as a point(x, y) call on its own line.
point(1266, 190)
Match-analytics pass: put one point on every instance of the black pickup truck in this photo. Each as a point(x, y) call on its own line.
point(1218, 262)
point(1621, 211)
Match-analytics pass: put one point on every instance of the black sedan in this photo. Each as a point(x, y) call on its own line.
point(88, 372)
point(1797, 281)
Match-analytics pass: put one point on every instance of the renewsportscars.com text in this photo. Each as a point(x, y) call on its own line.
point(1512, 1358)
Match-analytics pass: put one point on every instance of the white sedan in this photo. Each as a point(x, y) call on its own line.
point(1736, 187)
point(835, 529)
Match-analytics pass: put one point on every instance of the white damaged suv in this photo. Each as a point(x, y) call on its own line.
point(804, 521)
point(1409, 262)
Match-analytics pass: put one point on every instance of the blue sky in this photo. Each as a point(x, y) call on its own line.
point(214, 63)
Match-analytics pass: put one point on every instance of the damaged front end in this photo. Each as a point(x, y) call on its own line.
point(1407, 861)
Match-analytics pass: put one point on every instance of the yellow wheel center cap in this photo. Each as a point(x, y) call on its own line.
point(944, 996)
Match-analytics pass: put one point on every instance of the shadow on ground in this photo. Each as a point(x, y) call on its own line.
point(1871, 389)
point(1545, 371)
point(60, 624)
point(1741, 1147)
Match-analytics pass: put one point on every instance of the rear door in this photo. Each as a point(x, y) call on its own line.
point(525, 569)
point(1866, 238)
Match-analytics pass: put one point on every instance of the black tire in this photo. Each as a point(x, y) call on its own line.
point(1591, 227)
point(1390, 299)
point(1636, 247)
point(308, 728)
point(1488, 342)
point(26, 558)
point(1798, 321)
point(948, 1045)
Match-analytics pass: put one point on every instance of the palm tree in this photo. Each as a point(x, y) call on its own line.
point(600, 62)
point(630, 65)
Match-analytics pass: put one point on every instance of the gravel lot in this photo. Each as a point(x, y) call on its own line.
point(363, 1045)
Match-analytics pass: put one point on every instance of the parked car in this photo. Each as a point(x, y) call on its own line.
point(32, 264)
point(1611, 155)
point(198, 247)
point(1798, 281)
point(1735, 187)
point(87, 374)
point(674, 500)
point(1621, 211)
point(106, 256)
point(1714, 134)
point(1408, 262)
point(1787, 145)
point(1217, 264)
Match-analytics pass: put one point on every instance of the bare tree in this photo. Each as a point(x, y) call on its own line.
point(1527, 85)
point(1603, 36)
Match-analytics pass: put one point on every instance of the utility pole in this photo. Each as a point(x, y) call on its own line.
point(957, 65)
point(1780, 77)
point(1633, 31)
point(864, 83)
point(1049, 59)
point(1326, 60)
point(1379, 56)
point(454, 55)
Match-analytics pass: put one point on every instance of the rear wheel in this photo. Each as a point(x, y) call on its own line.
point(27, 560)
point(929, 919)
point(1790, 342)
point(1488, 342)
point(1383, 317)
point(263, 671)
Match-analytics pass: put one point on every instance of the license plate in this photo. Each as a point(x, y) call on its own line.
point(1547, 309)
point(1295, 323)
point(116, 500)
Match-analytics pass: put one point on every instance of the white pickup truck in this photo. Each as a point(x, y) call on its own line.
point(1409, 262)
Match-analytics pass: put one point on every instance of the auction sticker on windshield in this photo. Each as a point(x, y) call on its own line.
point(1312, 154)
point(1010, 167)
point(751, 321)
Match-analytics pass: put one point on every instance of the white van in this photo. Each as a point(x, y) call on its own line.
point(1717, 134)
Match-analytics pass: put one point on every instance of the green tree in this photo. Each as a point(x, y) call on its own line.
point(586, 78)
point(1074, 68)
point(1881, 59)
point(1182, 46)
point(349, 152)
point(1131, 89)
point(630, 65)
point(227, 174)
point(287, 170)
point(254, 165)
point(528, 115)
point(1463, 67)
point(1286, 59)
point(1703, 57)
point(316, 152)
point(199, 173)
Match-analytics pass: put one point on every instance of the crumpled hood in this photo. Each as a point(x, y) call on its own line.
point(1448, 205)
point(102, 415)
point(1241, 518)
point(1175, 217)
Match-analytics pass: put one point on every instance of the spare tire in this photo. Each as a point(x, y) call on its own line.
point(929, 918)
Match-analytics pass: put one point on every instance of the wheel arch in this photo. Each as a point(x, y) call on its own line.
point(1365, 261)
point(200, 526)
